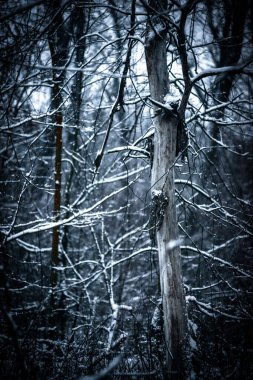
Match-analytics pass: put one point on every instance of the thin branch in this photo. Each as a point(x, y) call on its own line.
point(21, 9)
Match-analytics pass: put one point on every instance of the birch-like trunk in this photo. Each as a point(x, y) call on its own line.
point(167, 236)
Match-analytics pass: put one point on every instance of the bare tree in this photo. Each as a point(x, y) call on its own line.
point(121, 234)
point(163, 209)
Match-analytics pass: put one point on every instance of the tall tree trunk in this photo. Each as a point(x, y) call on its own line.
point(57, 190)
point(58, 40)
point(58, 45)
point(229, 37)
point(79, 19)
point(164, 204)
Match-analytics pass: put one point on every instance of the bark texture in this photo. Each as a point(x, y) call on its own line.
point(167, 230)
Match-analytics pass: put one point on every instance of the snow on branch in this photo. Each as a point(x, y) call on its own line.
point(208, 309)
point(166, 107)
point(49, 225)
point(141, 250)
point(210, 255)
point(129, 147)
point(84, 71)
point(224, 70)
point(215, 205)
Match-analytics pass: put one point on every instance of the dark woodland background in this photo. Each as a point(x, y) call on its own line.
point(79, 272)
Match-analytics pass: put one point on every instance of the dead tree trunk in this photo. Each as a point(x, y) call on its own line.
point(163, 200)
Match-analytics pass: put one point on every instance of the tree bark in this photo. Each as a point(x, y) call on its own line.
point(229, 38)
point(162, 179)
point(58, 45)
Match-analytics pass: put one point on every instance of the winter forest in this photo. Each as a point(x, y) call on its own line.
point(126, 177)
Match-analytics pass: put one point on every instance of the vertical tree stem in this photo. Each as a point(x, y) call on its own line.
point(163, 183)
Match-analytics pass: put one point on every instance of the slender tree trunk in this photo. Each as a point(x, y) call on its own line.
point(58, 45)
point(57, 192)
point(229, 53)
point(164, 206)
point(58, 40)
point(79, 18)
